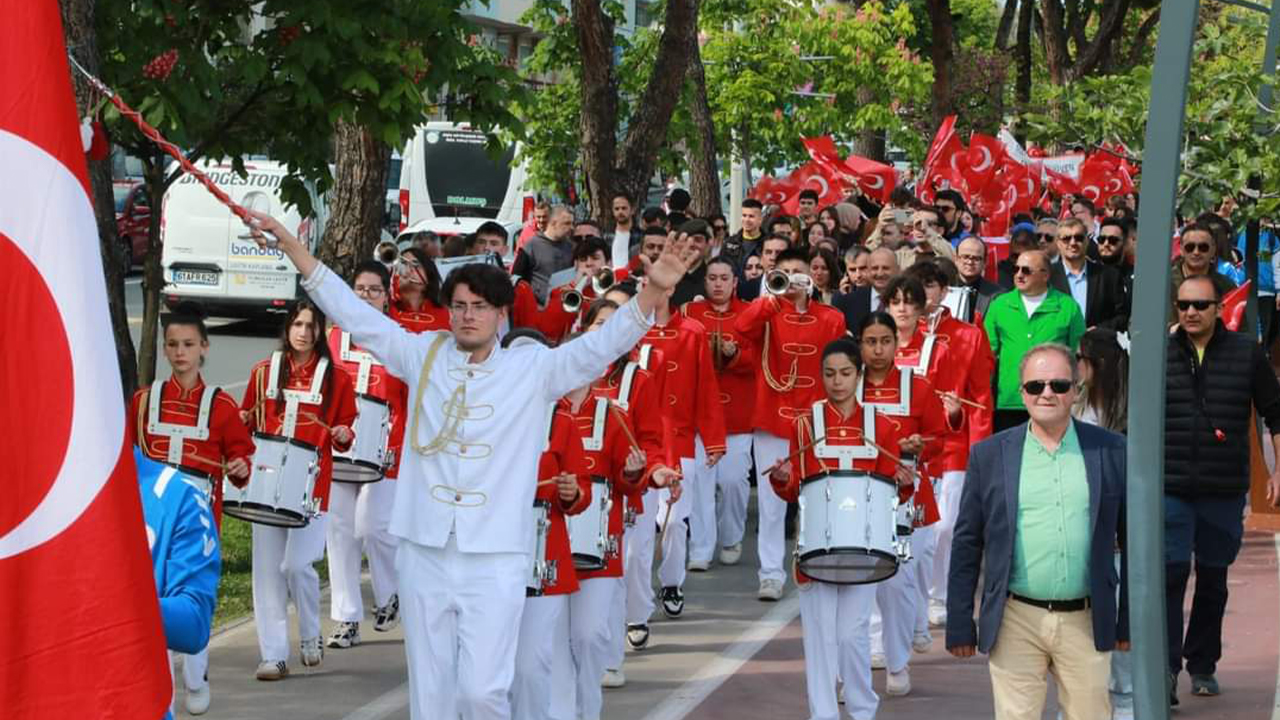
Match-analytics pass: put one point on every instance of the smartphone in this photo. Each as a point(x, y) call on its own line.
point(901, 216)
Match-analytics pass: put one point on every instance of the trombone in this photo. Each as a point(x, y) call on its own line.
point(571, 299)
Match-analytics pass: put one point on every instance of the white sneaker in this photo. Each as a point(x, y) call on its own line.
point(345, 635)
point(198, 700)
point(937, 614)
point(699, 565)
point(877, 661)
point(731, 554)
point(312, 652)
point(271, 670)
point(770, 590)
point(898, 684)
point(921, 643)
point(613, 679)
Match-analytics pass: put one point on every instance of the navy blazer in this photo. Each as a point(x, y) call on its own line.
point(982, 544)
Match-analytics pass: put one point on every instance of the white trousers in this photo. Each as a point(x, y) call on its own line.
point(771, 536)
point(461, 615)
point(675, 535)
point(947, 491)
point(195, 669)
point(617, 622)
point(591, 639)
point(535, 656)
point(895, 618)
point(359, 515)
point(924, 544)
point(638, 562)
point(836, 644)
point(284, 567)
point(723, 523)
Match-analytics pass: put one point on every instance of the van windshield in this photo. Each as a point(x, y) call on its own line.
point(461, 177)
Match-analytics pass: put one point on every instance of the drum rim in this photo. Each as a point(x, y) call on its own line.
point(281, 438)
point(542, 503)
point(231, 507)
point(595, 564)
point(848, 474)
point(373, 398)
point(896, 564)
point(339, 460)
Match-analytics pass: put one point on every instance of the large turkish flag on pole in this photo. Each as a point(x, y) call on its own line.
point(78, 612)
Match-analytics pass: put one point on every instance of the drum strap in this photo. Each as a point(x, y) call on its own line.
point(844, 454)
point(902, 408)
point(926, 353)
point(364, 361)
point(595, 442)
point(175, 432)
point(294, 398)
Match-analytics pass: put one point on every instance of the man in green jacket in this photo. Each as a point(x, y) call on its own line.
point(1018, 321)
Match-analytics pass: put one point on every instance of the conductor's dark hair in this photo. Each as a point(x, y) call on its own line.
point(487, 281)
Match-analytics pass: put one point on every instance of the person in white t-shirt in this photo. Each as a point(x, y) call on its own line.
point(625, 237)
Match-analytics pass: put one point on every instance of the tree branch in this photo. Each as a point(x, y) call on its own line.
point(1055, 38)
point(1006, 24)
point(216, 134)
point(1141, 37)
point(1109, 28)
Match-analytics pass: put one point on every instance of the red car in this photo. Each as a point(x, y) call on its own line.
point(133, 215)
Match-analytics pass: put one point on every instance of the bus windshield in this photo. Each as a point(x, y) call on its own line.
point(461, 177)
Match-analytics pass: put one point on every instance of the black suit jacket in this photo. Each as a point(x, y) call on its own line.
point(982, 544)
point(985, 291)
point(1106, 304)
point(855, 306)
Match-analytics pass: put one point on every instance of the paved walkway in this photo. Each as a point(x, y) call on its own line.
point(732, 657)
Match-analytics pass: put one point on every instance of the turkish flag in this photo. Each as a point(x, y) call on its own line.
point(830, 185)
point(946, 163)
point(771, 191)
point(78, 609)
point(875, 179)
point(1101, 177)
point(986, 156)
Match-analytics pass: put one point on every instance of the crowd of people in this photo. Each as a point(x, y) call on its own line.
point(547, 442)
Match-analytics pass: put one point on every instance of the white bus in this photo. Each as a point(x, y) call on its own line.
point(207, 260)
point(447, 172)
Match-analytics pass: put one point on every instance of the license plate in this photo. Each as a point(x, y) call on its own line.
point(195, 277)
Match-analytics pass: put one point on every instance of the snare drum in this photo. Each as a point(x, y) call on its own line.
point(542, 572)
point(847, 530)
point(367, 459)
point(589, 530)
point(281, 482)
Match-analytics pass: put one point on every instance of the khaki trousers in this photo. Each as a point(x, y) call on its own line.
point(1034, 642)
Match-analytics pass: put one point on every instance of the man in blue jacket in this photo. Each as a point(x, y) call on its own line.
point(185, 555)
point(1041, 514)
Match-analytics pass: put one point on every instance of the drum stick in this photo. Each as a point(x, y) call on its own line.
point(962, 401)
point(792, 456)
point(622, 420)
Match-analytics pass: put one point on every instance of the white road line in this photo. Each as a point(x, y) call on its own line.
point(133, 281)
point(712, 675)
point(384, 705)
point(1275, 710)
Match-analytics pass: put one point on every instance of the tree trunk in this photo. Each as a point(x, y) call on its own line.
point(77, 24)
point(1022, 88)
point(599, 116)
point(153, 275)
point(359, 198)
point(704, 177)
point(1007, 16)
point(869, 143)
point(942, 53)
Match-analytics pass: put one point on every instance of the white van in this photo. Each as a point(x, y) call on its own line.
point(447, 172)
point(205, 259)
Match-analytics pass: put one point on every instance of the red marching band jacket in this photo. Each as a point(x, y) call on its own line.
point(737, 376)
point(325, 400)
point(564, 454)
point(839, 436)
point(194, 430)
point(919, 411)
point(429, 317)
point(637, 391)
point(557, 323)
point(524, 311)
point(962, 363)
point(690, 393)
point(603, 426)
point(789, 344)
point(370, 377)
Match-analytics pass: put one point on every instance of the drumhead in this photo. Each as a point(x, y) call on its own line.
point(263, 514)
point(282, 439)
point(848, 566)
point(349, 470)
point(851, 474)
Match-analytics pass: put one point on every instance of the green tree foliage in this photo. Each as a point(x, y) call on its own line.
point(1229, 136)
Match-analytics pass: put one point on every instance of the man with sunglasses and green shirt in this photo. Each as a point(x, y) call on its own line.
point(1018, 321)
point(1214, 378)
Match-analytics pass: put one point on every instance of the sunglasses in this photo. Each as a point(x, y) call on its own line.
point(1197, 247)
point(1024, 270)
point(1036, 387)
point(1201, 305)
point(1046, 237)
point(1110, 240)
point(1077, 238)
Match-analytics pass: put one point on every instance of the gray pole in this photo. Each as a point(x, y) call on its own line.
point(1161, 164)
point(1253, 229)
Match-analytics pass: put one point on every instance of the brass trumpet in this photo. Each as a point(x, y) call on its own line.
point(777, 282)
point(571, 299)
point(719, 359)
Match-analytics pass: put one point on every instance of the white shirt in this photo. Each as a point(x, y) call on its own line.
point(491, 461)
point(621, 248)
point(1031, 302)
